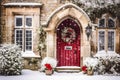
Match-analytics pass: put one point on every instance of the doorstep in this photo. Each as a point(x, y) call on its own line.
point(68, 69)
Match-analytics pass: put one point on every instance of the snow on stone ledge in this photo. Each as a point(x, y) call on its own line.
point(29, 54)
point(105, 54)
point(23, 4)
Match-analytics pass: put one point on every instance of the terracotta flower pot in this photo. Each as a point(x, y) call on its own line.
point(48, 72)
point(90, 72)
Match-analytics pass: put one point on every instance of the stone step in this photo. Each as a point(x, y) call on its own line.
point(68, 69)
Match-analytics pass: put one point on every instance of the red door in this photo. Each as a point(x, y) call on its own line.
point(68, 43)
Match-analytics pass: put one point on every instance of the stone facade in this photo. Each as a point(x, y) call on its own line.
point(48, 15)
point(0, 21)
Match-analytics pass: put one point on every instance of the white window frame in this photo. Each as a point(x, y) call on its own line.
point(15, 36)
point(24, 28)
point(114, 38)
point(99, 22)
point(104, 39)
point(25, 39)
point(22, 21)
point(113, 20)
point(25, 21)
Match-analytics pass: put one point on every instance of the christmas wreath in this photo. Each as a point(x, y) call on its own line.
point(68, 34)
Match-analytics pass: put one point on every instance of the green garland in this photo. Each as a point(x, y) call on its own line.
point(93, 13)
point(42, 41)
point(114, 10)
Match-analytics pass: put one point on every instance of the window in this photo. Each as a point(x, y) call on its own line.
point(102, 23)
point(23, 32)
point(106, 34)
point(28, 21)
point(19, 21)
point(28, 40)
point(101, 40)
point(109, 39)
point(111, 23)
point(18, 37)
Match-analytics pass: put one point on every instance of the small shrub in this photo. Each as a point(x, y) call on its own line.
point(110, 65)
point(10, 60)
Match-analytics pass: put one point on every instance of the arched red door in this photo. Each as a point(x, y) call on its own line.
point(68, 43)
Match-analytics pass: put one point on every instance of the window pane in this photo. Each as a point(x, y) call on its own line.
point(111, 40)
point(18, 22)
point(28, 40)
point(111, 23)
point(28, 22)
point(18, 38)
point(102, 23)
point(101, 40)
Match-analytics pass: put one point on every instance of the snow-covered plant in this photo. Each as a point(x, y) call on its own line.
point(10, 60)
point(48, 60)
point(90, 62)
point(108, 65)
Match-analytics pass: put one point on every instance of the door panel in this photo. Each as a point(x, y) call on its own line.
point(68, 43)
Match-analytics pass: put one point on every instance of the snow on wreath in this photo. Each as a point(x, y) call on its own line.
point(68, 34)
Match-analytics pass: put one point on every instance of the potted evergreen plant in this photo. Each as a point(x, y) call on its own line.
point(48, 65)
point(48, 69)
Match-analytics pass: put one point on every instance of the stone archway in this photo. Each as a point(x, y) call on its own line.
point(67, 10)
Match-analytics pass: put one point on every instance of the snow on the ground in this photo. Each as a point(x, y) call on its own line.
point(36, 75)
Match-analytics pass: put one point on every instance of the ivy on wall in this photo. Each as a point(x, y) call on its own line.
point(95, 8)
point(42, 41)
point(113, 10)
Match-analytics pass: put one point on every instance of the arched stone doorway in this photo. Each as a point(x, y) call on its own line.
point(61, 14)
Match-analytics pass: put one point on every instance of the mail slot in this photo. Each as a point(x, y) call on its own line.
point(68, 47)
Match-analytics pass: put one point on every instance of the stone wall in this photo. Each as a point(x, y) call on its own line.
point(0, 21)
point(32, 63)
point(3, 29)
